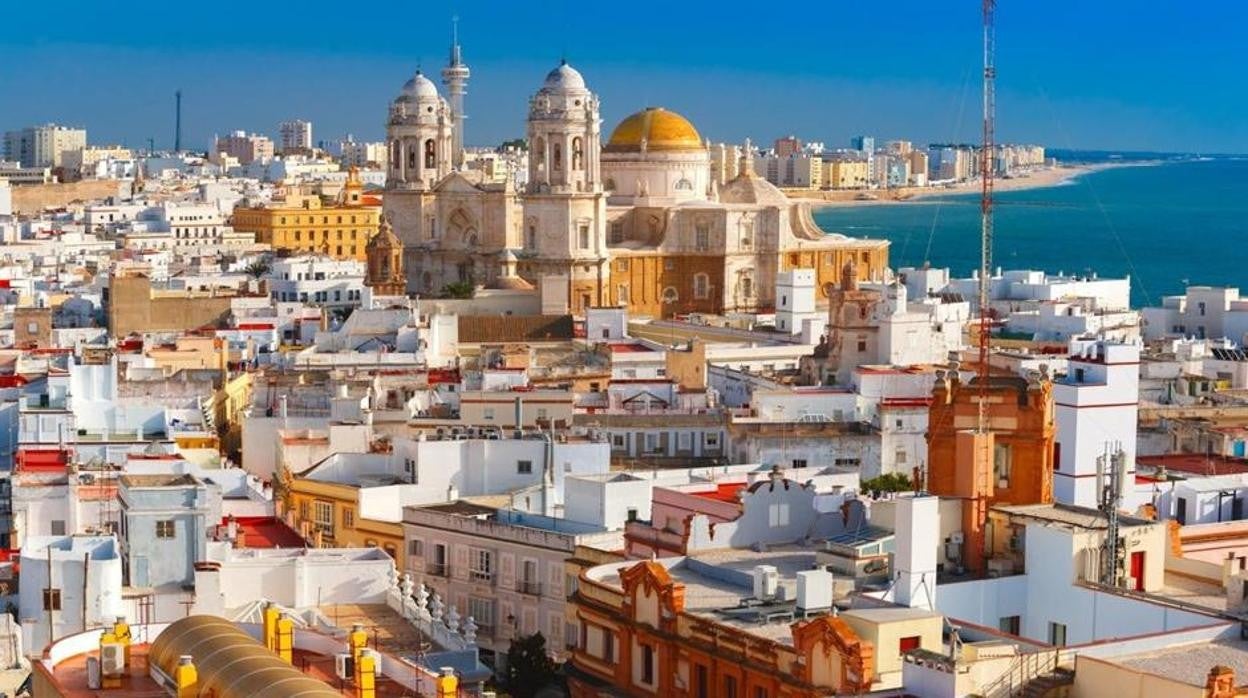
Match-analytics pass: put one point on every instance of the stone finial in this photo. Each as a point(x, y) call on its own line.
point(470, 630)
point(407, 585)
point(452, 619)
point(436, 608)
point(422, 600)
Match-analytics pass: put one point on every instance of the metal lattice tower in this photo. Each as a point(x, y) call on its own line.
point(986, 175)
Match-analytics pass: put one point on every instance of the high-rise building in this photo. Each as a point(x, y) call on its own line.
point(789, 145)
point(43, 146)
point(866, 144)
point(455, 77)
point(295, 135)
point(246, 148)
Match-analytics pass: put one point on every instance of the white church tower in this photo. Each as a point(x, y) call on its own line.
point(1096, 409)
point(565, 208)
point(455, 77)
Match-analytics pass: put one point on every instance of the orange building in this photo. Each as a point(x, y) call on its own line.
point(1010, 464)
point(652, 629)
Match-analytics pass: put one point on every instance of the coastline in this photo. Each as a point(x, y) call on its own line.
point(1060, 175)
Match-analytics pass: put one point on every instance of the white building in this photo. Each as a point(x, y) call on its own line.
point(1015, 286)
point(1203, 312)
point(795, 302)
point(43, 146)
point(1096, 414)
point(295, 134)
point(56, 573)
point(316, 279)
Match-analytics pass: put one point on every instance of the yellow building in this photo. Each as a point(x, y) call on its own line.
point(326, 512)
point(846, 174)
point(304, 224)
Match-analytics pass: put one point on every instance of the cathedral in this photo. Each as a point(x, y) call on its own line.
point(647, 220)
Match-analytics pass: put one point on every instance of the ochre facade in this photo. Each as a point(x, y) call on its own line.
point(304, 225)
point(657, 648)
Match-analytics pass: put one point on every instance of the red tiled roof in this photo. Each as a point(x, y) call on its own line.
point(724, 492)
point(42, 460)
point(1197, 463)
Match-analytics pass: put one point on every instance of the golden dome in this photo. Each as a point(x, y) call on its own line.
point(658, 129)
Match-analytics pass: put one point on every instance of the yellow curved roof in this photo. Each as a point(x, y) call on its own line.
point(659, 128)
point(230, 663)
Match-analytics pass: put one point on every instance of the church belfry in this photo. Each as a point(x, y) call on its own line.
point(564, 132)
point(384, 252)
point(419, 135)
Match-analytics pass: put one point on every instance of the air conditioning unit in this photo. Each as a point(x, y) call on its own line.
point(342, 667)
point(112, 659)
point(766, 581)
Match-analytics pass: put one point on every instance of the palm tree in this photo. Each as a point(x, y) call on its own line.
point(257, 269)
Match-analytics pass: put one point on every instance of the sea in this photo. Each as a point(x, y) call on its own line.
point(1166, 223)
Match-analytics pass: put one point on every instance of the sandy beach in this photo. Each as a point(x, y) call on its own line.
point(1048, 177)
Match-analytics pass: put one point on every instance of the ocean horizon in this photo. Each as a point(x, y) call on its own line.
point(1165, 224)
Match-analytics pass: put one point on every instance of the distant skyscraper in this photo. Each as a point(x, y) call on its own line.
point(455, 77)
point(43, 146)
point(294, 135)
point(789, 145)
point(867, 145)
point(246, 148)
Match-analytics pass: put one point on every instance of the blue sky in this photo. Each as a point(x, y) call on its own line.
point(1146, 75)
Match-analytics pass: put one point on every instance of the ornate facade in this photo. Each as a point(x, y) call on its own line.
point(641, 221)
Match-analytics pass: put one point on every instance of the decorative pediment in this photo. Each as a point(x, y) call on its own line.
point(818, 640)
point(651, 579)
point(456, 182)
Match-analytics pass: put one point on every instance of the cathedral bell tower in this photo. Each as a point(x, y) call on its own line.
point(419, 135)
point(565, 208)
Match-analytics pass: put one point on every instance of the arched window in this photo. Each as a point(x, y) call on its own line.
point(684, 184)
point(578, 154)
point(411, 157)
point(670, 295)
point(539, 151)
point(431, 157)
point(531, 242)
point(396, 154)
point(702, 235)
point(426, 280)
point(556, 157)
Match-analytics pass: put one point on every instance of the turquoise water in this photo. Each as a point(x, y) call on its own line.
point(1165, 225)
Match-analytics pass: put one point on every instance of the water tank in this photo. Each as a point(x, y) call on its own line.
point(814, 590)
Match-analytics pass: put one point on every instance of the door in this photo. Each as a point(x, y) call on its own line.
point(1137, 569)
point(140, 571)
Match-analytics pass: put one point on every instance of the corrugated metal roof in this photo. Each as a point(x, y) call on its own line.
point(230, 663)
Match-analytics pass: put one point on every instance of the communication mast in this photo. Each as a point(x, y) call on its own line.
point(986, 175)
point(1110, 485)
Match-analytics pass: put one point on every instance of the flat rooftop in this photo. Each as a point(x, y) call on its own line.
point(1069, 516)
point(1191, 663)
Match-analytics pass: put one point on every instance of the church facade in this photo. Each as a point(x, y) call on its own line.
point(642, 221)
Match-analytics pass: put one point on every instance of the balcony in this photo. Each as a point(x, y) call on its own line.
point(481, 576)
point(438, 569)
point(530, 588)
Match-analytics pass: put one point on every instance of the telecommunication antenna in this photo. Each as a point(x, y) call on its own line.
point(1110, 483)
point(986, 174)
point(177, 122)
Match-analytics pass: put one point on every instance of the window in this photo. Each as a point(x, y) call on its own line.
point(632, 514)
point(416, 547)
point(907, 644)
point(582, 236)
point(862, 344)
point(578, 154)
point(760, 692)
point(701, 285)
point(392, 551)
point(1010, 624)
point(524, 467)
point(711, 440)
point(621, 293)
point(778, 515)
point(542, 414)
point(617, 235)
point(747, 286)
point(702, 235)
point(165, 529)
point(481, 565)
point(799, 462)
point(647, 664)
point(51, 599)
point(482, 612)
point(488, 413)
point(1001, 463)
point(430, 156)
point(58, 527)
point(1057, 634)
point(348, 517)
point(323, 515)
point(608, 646)
point(617, 440)
point(700, 682)
point(730, 687)
point(1180, 511)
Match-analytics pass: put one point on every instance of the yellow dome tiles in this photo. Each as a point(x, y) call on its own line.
point(658, 129)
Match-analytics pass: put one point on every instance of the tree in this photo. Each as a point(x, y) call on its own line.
point(257, 269)
point(458, 289)
point(529, 668)
point(888, 482)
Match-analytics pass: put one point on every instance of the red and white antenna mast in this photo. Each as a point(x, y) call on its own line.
point(987, 172)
